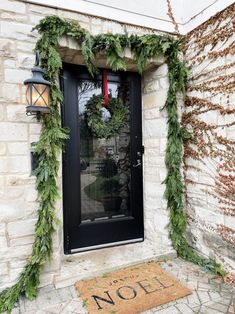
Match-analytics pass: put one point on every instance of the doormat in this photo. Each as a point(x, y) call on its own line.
point(130, 290)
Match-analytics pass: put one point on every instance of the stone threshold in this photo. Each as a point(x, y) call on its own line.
point(76, 268)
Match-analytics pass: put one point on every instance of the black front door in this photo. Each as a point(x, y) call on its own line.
point(102, 178)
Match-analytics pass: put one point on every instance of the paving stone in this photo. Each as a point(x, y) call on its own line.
point(233, 304)
point(214, 295)
point(223, 300)
point(218, 280)
point(46, 289)
point(207, 310)
point(183, 278)
point(49, 298)
point(15, 311)
point(64, 294)
point(192, 284)
point(231, 310)
point(158, 308)
point(226, 295)
point(203, 278)
point(169, 310)
point(184, 308)
point(172, 303)
point(56, 308)
point(31, 305)
point(193, 299)
point(197, 309)
point(74, 306)
point(22, 304)
point(183, 300)
point(73, 292)
point(203, 296)
point(225, 287)
point(223, 308)
point(205, 286)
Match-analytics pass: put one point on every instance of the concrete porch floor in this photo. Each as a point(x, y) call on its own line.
point(210, 295)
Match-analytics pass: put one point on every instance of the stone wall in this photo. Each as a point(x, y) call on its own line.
point(18, 205)
point(209, 156)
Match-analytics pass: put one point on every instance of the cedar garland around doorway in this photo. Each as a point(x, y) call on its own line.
point(52, 137)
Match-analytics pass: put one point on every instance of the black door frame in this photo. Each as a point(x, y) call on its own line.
point(132, 228)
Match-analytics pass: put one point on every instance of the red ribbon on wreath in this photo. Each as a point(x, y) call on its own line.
point(105, 87)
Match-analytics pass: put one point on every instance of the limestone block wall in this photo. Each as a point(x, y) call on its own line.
point(209, 156)
point(155, 89)
point(18, 198)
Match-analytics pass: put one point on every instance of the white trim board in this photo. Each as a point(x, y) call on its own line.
point(158, 20)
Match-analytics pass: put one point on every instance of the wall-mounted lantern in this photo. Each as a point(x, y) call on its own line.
point(37, 92)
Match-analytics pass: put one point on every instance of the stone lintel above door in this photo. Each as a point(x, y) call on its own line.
point(71, 52)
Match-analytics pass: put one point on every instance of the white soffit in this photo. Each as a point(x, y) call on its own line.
point(198, 12)
point(149, 13)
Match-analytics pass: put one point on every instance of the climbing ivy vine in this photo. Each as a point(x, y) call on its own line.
point(52, 137)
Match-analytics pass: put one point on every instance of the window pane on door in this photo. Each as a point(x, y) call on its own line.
point(104, 163)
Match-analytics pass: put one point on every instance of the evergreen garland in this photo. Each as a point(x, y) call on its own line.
point(174, 192)
point(52, 137)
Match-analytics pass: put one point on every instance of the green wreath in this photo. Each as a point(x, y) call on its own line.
point(98, 126)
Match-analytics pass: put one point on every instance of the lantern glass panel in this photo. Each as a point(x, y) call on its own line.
point(28, 94)
point(40, 95)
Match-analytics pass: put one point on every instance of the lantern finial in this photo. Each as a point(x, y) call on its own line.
point(37, 59)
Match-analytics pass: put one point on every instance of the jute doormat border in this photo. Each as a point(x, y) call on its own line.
point(130, 290)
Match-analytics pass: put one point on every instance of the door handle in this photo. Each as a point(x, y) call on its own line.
point(138, 163)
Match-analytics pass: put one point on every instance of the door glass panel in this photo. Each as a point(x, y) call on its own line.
point(104, 163)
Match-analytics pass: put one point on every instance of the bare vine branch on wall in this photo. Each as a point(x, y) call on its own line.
point(209, 117)
point(171, 15)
